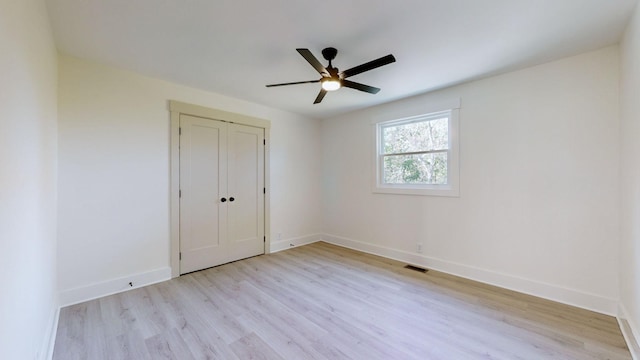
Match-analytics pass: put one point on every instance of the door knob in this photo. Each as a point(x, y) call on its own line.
point(223, 199)
point(231, 198)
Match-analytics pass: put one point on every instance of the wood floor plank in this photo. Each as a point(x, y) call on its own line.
point(128, 346)
point(252, 347)
point(168, 345)
point(321, 302)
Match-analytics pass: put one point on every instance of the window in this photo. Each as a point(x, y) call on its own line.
point(418, 155)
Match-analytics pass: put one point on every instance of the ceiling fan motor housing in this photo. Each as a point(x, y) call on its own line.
point(329, 53)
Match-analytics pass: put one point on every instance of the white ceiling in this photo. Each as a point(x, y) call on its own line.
point(235, 47)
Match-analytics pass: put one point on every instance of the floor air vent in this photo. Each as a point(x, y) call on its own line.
point(415, 268)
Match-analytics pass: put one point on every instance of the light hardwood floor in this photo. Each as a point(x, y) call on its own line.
point(325, 302)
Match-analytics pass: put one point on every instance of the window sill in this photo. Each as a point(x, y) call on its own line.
point(447, 191)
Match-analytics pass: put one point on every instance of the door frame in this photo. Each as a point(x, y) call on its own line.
point(177, 108)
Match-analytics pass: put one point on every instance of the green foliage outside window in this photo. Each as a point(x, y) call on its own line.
point(416, 152)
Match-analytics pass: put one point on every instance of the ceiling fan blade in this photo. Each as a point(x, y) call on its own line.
point(361, 87)
point(313, 61)
point(294, 83)
point(369, 66)
point(320, 96)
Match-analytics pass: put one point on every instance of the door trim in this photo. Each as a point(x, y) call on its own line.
point(176, 108)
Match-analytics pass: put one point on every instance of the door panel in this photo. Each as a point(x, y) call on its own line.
point(203, 176)
point(220, 160)
point(246, 184)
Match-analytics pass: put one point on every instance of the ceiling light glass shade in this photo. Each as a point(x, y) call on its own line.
point(331, 84)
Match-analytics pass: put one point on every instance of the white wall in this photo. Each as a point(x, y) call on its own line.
point(114, 175)
point(538, 206)
point(630, 174)
point(27, 180)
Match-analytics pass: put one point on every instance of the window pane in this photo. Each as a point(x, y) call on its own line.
point(416, 136)
point(416, 169)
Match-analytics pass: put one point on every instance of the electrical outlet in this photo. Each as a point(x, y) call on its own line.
point(419, 247)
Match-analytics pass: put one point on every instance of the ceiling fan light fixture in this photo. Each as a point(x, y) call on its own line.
point(331, 84)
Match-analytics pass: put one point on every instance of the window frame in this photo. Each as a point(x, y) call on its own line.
point(451, 188)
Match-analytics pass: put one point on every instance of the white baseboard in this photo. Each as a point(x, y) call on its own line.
point(293, 242)
point(547, 291)
point(113, 286)
point(46, 350)
point(630, 331)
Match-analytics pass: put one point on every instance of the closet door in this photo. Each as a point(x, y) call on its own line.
point(246, 191)
point(222, 198)
point(203, 184)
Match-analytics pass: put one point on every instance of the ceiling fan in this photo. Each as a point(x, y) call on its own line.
point(332, 79)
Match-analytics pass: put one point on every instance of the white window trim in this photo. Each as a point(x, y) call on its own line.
point(451, 189)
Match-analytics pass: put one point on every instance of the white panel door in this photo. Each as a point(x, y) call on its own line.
point(245, 188)
point(222, 199)
point(203, 176)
